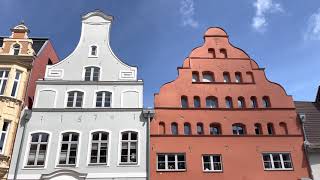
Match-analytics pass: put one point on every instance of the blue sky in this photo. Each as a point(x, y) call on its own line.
point(156, 35)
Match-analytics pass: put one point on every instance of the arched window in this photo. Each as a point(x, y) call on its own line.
point(224, 53)
point(270, 128)
point(196, 102)
point(16, 49)
point(207, 76)
point(258, 128)
point(94, 50)
point(162, 128)
point(75, 99)
point(266, 102)
point(241, 102)
point(253, 103)
point(215, 129)
point(129, 147)
point(238, 77)
point(195, 76)
point(69, 148)
point(284, 128)
point(92, 73)
point(174, 128)
point(99, 147)
point(226, 77)
point(212, 53)
point(211, 102)
point(187, 129)
point(200, 130)
point(38, 149)
point(229, 102)
point(238, 129)
point(184, 102)
point(103, 99)
point(250, 77)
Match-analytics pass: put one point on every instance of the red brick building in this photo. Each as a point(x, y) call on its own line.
point(223, 119)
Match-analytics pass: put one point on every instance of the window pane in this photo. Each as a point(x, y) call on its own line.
point(125, 136)
point(35, 137)
point(133, 136)
point(161, 165)
point(161, 157)
point(44, 137)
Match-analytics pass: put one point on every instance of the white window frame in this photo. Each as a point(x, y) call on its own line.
point(26, 155)
point(18, 83)
point(67, 95)
point(138, 150)
point(90, 51)
point(212, 163)
point(176, 161)
point(3, 78)
point(91, 73)
point(6, 135)
point(90, 147)
point(281, 160)
point(95, 98)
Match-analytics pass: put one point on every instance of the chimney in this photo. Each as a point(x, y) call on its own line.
point(20, 31)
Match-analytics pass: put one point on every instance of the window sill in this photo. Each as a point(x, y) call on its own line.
point(93, 56)
point(98, 164)
point(213, 171)
point(128, 165)
point(33, 167)
point(288, 169)
point(65, 165)
point(173, 170)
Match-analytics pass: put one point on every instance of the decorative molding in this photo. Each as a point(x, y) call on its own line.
point(54, 82)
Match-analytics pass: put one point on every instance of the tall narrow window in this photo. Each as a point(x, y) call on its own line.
point(212, 163)
point(211, 102)
point(16, 84)
point(196, 102)
point(187, 129)
point(4, 134)
point(38, 150)
point(16, 49)
point(171, 162)
point(238, 129)
point(3, 80)
point(250, 77)
point(184, 102)
point(270, 129)
point(103, 99)
point(93, 51)
point(174, 128)
point(129, 147)
point(75, 99)
point(99, 147)
point(207, 77)
point(215, 129)
point(284, 128)
point(212, 53)
point(241, 102)
point(162, 128)
point(92, 73)
point(195, 76)
point(224, 53)
point(238, 77)
point(254, 103)
point(229, 102)
point(226, 77)
point(69, 149)
point(258, 128)
point(266, 102)
point(200, 130)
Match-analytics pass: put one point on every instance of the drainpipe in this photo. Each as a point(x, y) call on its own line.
point(148, 114)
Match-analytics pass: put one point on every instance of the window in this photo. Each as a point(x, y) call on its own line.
point(195, 76)
point(212, 53)
point(238, 129)
point(270, 129)
point(224, 53)
point(4, 134)
point(69, 148)
point(215, 129)
point(229, 102)
point(250, 77)
point(266, 102)
point(258, 128)
point(174, 128)
point(226, 77)
point(211, 102)
point(103, 99)
point(238, 77)
point(93, 50)
point(254, 103)
point(3, 80)
point(187, 129)
point(92, 73)
point(15, 84)
point(207, 77)
point(99, 147)
point(284, 128)
point(38, 149)
point(16, 49)
point(129, 147)
point(200, 130)
point(171, 162)
point(277, 161)
point(162, 128)
point(184, 102)
point(75, 99)
point(241, 102)
point(212, 163)
point(196, 102)
point(49, 62)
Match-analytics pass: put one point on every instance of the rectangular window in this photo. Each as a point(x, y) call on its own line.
point(38, 150)
point(171, 162)
point(3, 80)
point(92, 73)
point(4, 134)
point(99, 148)
point(277, 161)
point(212, 163)
point(75, 99)
point(103, 99)
point(129, 148)
point(69, 149)
point(15, 84)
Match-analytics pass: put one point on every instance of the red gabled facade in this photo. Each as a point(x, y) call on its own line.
point(223, 119)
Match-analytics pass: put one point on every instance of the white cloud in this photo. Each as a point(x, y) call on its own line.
point(313, 27)
point(263, 8)
point(187, 13)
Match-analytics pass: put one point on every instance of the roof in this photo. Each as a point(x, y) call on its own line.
point(37, 43)
point(312, 122)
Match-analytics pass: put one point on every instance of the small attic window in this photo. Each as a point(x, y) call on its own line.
point(16, 49)
point(49, 62)
point(93, 51)
point(224, 53)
